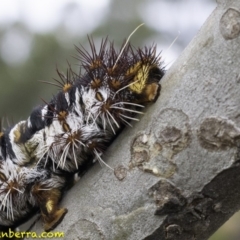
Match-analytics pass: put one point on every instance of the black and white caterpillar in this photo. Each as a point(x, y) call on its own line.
point(40, 156)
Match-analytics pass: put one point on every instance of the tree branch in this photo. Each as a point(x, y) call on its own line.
point(177, 171)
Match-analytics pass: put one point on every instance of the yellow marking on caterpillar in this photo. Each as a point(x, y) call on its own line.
point(99, 97)
point(49, 205)
point(66, 87)
point(66, 127)
point(3, 177)
point(62, 115)
point(17, 135)
point(141, 74)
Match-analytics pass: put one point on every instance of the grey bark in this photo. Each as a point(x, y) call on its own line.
point(177, 171)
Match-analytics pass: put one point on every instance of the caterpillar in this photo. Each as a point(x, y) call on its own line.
point(41, 156)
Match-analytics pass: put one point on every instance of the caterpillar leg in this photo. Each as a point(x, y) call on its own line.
point(48, 200)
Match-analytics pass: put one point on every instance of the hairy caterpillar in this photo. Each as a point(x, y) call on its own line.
point(39, 157)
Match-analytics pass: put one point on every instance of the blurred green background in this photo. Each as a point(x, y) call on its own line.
point(38, 36)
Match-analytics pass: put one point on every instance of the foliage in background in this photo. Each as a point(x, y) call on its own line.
point(20, 88)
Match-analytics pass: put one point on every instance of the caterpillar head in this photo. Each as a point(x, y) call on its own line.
point(144, 75)
point(145, 82)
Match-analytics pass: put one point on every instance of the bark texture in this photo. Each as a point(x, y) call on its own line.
point(177, 172)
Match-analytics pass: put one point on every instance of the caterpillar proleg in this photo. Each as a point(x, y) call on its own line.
point(40, 156)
